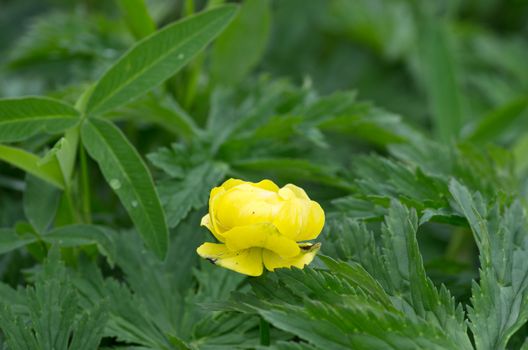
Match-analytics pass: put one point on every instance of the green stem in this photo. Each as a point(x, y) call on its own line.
point(264, 332)
point(74, 215)
point(85, 185)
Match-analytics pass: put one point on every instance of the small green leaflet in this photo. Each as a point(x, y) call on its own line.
point(47, 169)
point(21, 118)
point(129, 177)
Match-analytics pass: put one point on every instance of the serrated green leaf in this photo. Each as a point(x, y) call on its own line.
point(23, 117)
point(129, 177)
point(156, 58)
point(499, 305)
point(51, 320)
point(180, 196)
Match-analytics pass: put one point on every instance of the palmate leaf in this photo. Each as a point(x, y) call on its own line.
point(499, 301)
point(347, 305)
point(180, 196)
point(342, 308)
point(51, 318)
point(21, 118)
point(129, 177)
point(156, 58)
point(158, 304)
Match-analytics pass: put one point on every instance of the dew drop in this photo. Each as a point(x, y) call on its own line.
point(181, 56)
point(115, 184)
point(134, 204)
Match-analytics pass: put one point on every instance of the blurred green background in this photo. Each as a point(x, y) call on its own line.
point(357, 101)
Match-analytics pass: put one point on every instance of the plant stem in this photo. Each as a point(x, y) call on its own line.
point(85, 186)
point(264, 332)
point(74, 215)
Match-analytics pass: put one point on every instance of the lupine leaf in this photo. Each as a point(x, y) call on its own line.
point(24, 117)
point(128, 176)
point(156, 58)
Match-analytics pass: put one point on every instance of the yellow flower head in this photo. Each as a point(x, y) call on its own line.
point(261, 224)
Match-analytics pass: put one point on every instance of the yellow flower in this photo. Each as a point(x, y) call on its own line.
point(261, 224)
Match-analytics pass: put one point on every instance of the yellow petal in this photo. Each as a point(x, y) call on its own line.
point(314, 223)
point(245, 204)
point(247, 262)
point(273, 261)
point(213, 199)
point(300, 219)
point(206, 221)
point(291, 190)
point(263, 235)
point(227, 185)
point(267, 185)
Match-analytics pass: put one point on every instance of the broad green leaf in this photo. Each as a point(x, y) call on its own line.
point(40, 203)
point(129, 177)
point(498, 121)
point(137, 17)
point(21, 118)
point(242, 44)
point(48, 170)
point(156, 58)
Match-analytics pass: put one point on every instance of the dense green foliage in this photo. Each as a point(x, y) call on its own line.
point(406, 120)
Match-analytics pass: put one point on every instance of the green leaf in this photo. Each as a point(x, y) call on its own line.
point(137, 17)
point(129, 177)
point(499, 305)
point(46, 169)
point(243, 42)
point(339, 308)
point(10, 240)
point(180, 196)
point(54, 318)
point(440, 72)
point(79, 235)
point(21, 118)
point(398, 267)
point(498, 121)
point(156, 58)
point(294, 169)
point(41, 201)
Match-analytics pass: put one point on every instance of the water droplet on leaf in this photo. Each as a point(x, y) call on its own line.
point(115, 184)
point(181, 56)
point(134, 204)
